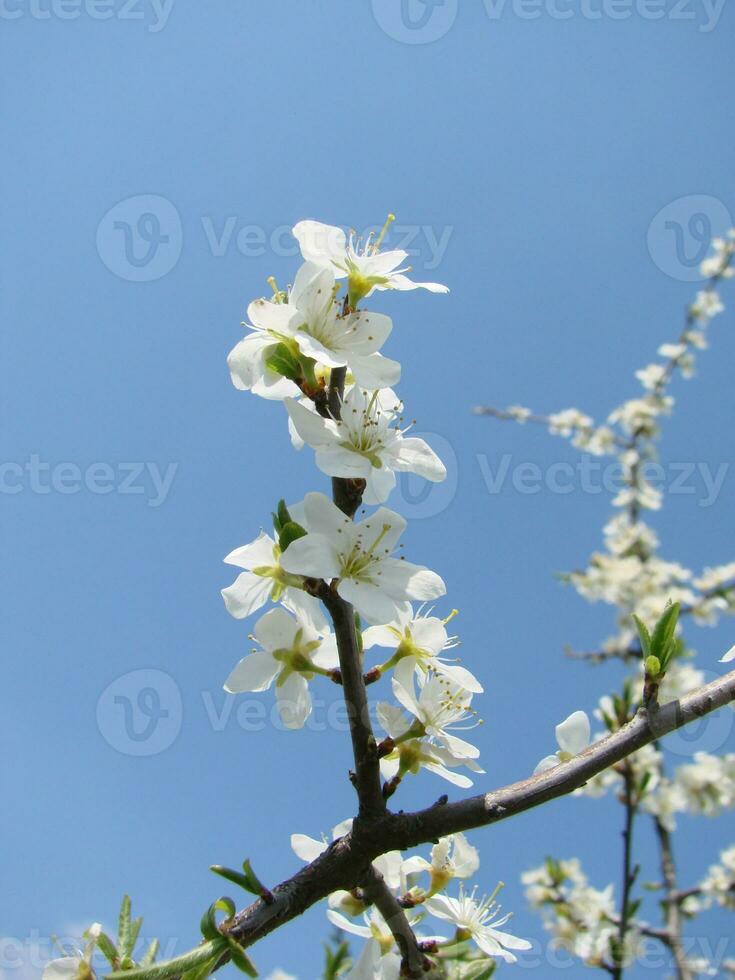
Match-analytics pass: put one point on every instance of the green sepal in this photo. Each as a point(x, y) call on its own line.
point(291, 531)
point(283, 361)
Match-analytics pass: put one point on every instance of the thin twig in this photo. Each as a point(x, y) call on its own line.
point(672, 903)
point(377, 892)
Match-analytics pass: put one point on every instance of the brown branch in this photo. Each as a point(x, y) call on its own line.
point(364, 747)
point(629, 872)
point(377, 892)
point(672, 903)
point(347, 495)
point(346, 860)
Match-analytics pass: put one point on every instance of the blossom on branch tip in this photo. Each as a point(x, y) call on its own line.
point(357, 557)
point(572, 736)
point(291, 654)
point(363, 444)
point(366, 269)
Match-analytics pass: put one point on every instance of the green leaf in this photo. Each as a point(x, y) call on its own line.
point(151, 953)
point(123, 926)
point(205, 953)
point(644, 635)
point(663, 634)
point(241, 961)
point(107, 947)
point(281, 517)
point(236, 877)
point(291, 531)
point(209, 927)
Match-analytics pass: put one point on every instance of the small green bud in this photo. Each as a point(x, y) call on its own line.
point(653, 666)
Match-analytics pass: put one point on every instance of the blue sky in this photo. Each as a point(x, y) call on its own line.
point(558, 173)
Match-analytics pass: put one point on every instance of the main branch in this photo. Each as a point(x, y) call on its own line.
point(347, 860)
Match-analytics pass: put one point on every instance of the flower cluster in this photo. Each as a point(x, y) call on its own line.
point(419, 885)
point(315, 347)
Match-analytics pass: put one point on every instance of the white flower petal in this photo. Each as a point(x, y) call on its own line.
point(276, 630)
point(307, 848)
point(257, 554)
point(246, 594)
point(313, 556)
point(294, 701)
point(573, 734)
point(254, 673)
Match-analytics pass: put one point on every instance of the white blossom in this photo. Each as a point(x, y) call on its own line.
point(421, 640)
point(291, 654)
point(476, 919)
point(358, 557)
point(366, 269)
point(364, 444)
point(265, 578)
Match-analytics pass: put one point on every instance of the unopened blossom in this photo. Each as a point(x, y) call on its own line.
point(357, 556)
point(572, 736)
point(421, 640)
point(451, 857)
point(265, 579)
point(364, 444)
point(366, 267)
point(477, 920)
point(291, 654)
point(335, 340)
